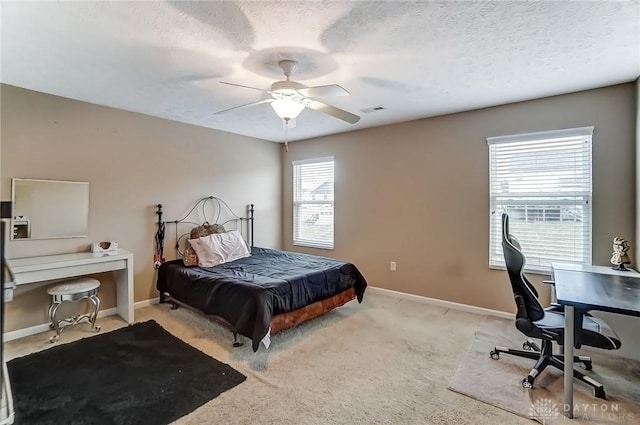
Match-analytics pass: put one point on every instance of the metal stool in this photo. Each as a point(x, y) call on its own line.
point(74, 291)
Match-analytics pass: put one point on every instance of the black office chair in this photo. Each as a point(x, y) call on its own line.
point(546, 324)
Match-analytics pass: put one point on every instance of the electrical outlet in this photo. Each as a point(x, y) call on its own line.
point(392, 266)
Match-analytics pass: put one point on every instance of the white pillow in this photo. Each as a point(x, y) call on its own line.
point(219, 248)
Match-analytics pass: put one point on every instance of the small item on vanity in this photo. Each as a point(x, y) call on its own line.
point(619, 256)
point(104, 247)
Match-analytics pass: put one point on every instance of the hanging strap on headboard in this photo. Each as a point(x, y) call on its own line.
point(251, 211)
point(158, 256)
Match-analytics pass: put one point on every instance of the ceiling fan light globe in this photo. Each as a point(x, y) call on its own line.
point(287, 87)
point(287, 109)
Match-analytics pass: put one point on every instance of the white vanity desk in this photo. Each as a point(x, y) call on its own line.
point(38, 269)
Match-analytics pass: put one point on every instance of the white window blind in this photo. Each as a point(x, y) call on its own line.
point(543, 181)
point(313, 202)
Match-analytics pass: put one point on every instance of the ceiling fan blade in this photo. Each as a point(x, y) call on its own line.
point(240, 85)
point(320, 91)
point(334, 112)
point(244, 106)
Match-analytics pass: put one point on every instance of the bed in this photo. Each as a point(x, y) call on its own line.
point(264, 293)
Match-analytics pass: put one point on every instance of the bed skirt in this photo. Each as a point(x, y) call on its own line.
point(288, 320)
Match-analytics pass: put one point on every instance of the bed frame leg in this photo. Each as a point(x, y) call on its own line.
point(236, 343)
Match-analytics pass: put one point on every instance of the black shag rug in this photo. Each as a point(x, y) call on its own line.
point(140, 374)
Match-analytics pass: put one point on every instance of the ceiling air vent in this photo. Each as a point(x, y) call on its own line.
point(374, 109)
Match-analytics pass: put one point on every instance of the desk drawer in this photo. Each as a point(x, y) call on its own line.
point(63, 272)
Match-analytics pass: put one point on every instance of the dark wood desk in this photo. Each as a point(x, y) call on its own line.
point(583, 288)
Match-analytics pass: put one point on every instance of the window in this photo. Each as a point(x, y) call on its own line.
point(313, 202)
point(543, 181)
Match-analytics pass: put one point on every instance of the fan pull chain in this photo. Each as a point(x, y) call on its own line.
point(286, 135)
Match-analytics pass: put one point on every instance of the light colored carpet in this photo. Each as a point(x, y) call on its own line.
point(498, 382)
point(386, 361)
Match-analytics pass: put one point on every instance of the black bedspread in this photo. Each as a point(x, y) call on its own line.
point(248, 292)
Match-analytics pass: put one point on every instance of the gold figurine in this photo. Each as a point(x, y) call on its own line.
point(619, 256)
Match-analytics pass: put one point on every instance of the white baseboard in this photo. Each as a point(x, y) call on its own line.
point(441, 303)
point(146, 303)
point(32, 330)
point(45, 327)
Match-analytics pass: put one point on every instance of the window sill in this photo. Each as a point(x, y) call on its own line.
point(541, 272)
point(310, 245)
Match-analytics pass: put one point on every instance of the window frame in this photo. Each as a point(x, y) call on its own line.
point(500, 201)
point(297, 203)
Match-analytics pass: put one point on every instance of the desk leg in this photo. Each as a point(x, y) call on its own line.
point(569, 318)
point(124, 291)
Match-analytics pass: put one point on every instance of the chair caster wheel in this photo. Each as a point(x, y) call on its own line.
point(96, 329)
point(494, 355)
point(54, 339)
point(237, 344)
point(586, 365)
point(599, 393)
point(530, 346)
point(527, 382)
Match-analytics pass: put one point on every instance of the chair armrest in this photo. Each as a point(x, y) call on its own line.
point(557, 308)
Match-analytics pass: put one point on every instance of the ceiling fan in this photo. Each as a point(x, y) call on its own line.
point(289, 98)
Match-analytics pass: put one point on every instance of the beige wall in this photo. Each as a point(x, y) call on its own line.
point(627, 327)
point(417, 193)
point(132, 162)
point(637, 257)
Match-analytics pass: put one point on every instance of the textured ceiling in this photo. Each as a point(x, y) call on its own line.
point(415, 59)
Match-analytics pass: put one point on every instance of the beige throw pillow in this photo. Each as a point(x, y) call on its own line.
point(190, 256)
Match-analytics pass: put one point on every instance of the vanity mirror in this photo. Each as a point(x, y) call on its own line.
point(49, 209)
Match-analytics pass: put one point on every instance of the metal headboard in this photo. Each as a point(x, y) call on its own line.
point(160, 233)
